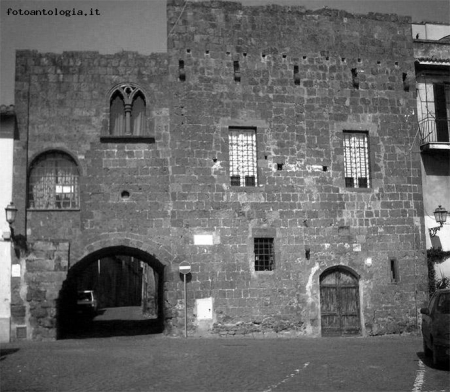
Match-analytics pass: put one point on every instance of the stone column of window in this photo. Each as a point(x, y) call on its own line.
point(128, 108)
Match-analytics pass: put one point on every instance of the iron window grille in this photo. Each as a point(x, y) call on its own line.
point(243, 164)
point(356, 160)
point(264, 254)
point(54, 182)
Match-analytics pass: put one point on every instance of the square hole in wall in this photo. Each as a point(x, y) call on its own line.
point(21, 332)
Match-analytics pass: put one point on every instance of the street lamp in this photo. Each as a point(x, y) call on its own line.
point(440, 214)
point(11, 212)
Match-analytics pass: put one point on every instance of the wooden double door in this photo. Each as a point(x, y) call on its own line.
point(339, 303)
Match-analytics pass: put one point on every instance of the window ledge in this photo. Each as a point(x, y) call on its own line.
point(265, 272)
point(127, 139)
point(430, 146)
point(250, 189)
point(359, 190)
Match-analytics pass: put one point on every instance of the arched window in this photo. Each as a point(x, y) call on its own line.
point(54, 182)
point(127, 111)
point(117, 114)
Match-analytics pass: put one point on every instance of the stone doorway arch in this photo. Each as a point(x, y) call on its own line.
point(83, 276)
point(340, 302)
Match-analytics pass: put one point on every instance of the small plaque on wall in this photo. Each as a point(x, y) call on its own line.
point(356, 247)
point(203, 239)
point(15, 271)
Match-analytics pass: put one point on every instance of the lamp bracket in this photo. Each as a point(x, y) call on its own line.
point(434, 230)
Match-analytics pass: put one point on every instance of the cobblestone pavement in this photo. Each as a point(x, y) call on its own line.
point(159, 363)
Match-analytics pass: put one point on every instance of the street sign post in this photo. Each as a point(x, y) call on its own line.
point(184, 269)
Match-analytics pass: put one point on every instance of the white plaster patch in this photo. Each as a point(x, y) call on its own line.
point(310, 282)
point(217, 165)
point(311, 168)
point(293, 167)
point(356, 247)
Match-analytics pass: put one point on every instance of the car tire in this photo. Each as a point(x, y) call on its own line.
point(426, 350)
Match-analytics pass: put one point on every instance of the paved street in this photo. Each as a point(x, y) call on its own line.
point(159, 363)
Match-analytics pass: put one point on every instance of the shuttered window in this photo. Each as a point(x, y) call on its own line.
point(433, 110)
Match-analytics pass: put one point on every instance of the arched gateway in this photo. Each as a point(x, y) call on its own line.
point(339, 302)
point(122, 277)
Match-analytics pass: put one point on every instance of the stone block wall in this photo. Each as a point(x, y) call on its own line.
point(300, 78)
point(289, 73)
point(63, 100)
point(35, 294)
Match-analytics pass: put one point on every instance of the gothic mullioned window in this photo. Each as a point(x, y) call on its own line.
point(243, 164)
point(127, 111)
point(356, 160)
point(54, 182)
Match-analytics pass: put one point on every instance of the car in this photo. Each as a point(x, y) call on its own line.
point(86, 302)
point(436, 326)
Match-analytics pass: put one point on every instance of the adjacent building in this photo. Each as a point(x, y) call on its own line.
point(7, 133)
point(432, 54)
point(274, 149)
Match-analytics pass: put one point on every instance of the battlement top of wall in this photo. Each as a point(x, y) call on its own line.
point(280, 9)
point(86, 55)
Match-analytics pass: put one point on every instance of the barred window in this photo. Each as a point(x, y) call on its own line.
point(127, 111)
point(54, 182)
point(264, 254)
point(356, 160)
point(243, 167)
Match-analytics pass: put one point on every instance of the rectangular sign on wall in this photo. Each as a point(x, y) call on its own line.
point(203, 239)
point(15, 270)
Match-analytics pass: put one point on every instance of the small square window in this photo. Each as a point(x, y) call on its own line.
point(235, 180)
point(250, 181)
point(264, 254)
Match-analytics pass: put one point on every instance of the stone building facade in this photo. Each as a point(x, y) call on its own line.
point(270, 148)
point(432, 54)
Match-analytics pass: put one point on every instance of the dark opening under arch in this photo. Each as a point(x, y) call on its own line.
point(128, 289)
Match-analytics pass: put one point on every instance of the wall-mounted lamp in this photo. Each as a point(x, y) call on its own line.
point(11, 212)
point(440, 214)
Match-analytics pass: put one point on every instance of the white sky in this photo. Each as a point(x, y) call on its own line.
point(140, 25)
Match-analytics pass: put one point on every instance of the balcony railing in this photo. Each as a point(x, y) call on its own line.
point(434, 130)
